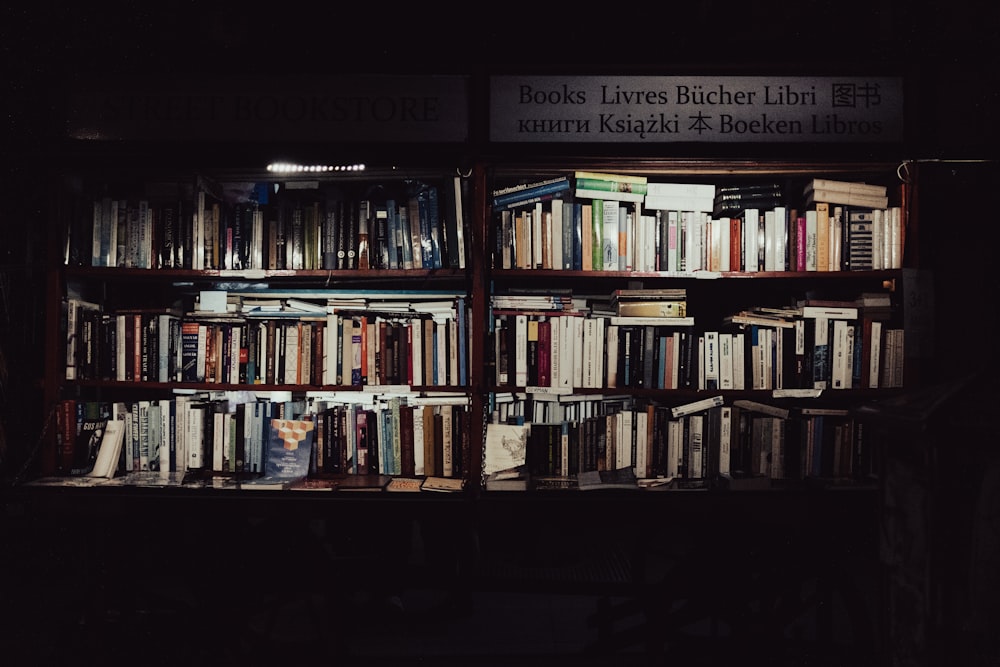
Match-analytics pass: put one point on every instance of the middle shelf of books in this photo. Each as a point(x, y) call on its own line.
point(670, 324)
point(232, 321)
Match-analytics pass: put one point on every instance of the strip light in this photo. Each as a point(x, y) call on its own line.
point(293, 168)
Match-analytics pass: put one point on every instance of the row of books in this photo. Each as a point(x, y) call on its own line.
point(745, 438)
point(717, 200)
point(406, 434)
point(823, 350)
point(608, 235)
point(236, 226)
point(342, 347)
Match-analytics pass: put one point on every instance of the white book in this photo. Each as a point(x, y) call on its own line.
point(696, 425)
point(447, 440)
point(537, 239)
point(895, 237)
point(711, 360)
point(701, 366)
point(642, 444)
point(751, 237)
point(697, 190)
point(555, 234)
point(812, 232)
point(780, 237)
point(441, 341)
point(598, 343)
point(452, 327)
point(726, 361)
point(879, 248)
point(675, 449)
point(739, 361)
point(770, 241)
point(623, 450)
point(109, 452)
point(725, 438)
point(696, 406)
point(520, 350)
point(589, 352)
point(875, 364)
point(417, 346)
point(577, 361)
point(611, 356)
point(166, 428)
point(418, 438)
point(679, 203)
point(609, 247)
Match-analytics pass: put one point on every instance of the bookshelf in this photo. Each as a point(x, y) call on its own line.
point(728, 363)
point(199, 306)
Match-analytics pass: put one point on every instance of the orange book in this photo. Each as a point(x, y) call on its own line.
point(735, 238)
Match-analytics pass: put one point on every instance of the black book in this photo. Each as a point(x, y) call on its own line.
point(329, 235)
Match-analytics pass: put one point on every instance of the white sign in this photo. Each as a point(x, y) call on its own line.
point(726, 109)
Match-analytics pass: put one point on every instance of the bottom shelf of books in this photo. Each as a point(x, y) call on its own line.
point(538, 441)
point(378, 440)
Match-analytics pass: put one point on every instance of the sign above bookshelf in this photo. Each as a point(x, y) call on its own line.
point(699, 109)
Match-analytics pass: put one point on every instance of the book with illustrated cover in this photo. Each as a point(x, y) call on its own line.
point(89, 437)
point(289, 452)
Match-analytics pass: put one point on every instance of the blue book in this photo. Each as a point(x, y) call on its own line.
point(530, 193)
point(395, 235)
point(289, 453)
point(437, 235)
point(567, 234)
point(577, 236)
point(462, 351)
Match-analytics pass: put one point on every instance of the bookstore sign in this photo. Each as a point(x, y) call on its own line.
point(370, 109)
point(696, 109)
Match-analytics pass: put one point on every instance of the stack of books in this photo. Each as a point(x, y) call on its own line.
point(847, 193)
point(732, 200)
point(665, 302)
point(698, 197)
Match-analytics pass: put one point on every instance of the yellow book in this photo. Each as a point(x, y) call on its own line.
point(822, 236)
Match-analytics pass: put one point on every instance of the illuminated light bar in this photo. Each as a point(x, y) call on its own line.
point(293, 168)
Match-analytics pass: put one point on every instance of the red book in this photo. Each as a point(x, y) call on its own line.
point(800, 244)
point(544, 353)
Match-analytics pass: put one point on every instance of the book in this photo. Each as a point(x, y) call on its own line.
point(650, 320)
point(846, 198)
point(404, 485)
point(288, 454)
point(608, 195)
point(529, 193)
point(443, 484)
point(610, 184)
point(651, 308)
point(761, 408)
point(514, 478)
point(108, 451)
point(506, 446)
point(615, 478)
point(609, 176)
point(87, 443)
point(839, 185)
point(696, 406)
